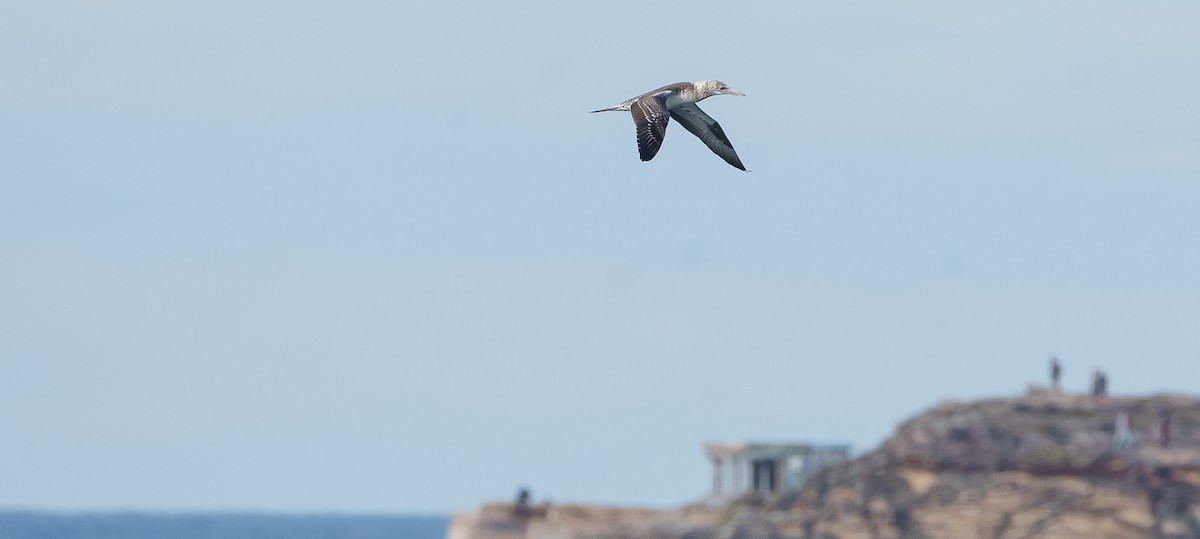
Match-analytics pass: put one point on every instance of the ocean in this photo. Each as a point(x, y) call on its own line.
point(134, 525)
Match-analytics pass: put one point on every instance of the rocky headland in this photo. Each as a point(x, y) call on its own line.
point(1042, 465)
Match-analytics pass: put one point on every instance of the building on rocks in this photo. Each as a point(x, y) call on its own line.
point(741, 468)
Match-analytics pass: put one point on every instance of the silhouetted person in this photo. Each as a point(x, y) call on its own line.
point(521, 505)
point(1099, 386)
point(1055, 373)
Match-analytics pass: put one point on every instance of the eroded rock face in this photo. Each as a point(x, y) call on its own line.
point(1044, 465)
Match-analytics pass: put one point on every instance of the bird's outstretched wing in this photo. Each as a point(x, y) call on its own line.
point(708, 130)
point(650, 117)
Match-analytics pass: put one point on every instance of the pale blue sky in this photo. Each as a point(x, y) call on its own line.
point(377, 257)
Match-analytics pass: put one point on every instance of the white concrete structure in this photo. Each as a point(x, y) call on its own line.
point(740, 468)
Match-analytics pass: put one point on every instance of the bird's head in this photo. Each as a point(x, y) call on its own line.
point(716, 87)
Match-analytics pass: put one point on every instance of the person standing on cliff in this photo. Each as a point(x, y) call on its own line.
point(1055, 373)
point(1099, 386)
point(520, 506)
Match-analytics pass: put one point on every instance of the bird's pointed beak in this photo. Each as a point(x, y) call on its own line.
point(731, 91)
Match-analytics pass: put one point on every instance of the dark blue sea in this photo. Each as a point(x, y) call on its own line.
point(39, 525)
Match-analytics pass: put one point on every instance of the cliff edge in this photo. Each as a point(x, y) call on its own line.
point(1042, 465)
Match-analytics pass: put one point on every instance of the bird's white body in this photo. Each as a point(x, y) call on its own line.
point(674, 99)
point(680, 93)
point(652, 111)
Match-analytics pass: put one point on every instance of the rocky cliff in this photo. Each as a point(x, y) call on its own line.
point(1044, 465)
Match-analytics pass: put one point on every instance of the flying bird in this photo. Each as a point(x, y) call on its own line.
point(653, 110)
